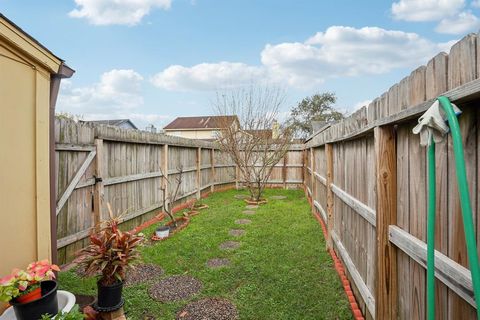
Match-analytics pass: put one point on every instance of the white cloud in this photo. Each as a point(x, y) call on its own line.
point(462, 23)
point(118, 90)
point(117, 95)
point(426, 10)
point(123, 12)
point(206, 76)
point(339, 51)
point(476, 3)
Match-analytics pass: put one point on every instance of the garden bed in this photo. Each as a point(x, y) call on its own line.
point(280, 270)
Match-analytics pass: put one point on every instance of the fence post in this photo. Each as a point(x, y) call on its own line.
point(386, 215)
point(314, 179)
point(330, 216)
point(99, 188)
point(236, 177)
point(212, 171)
point(312, 176)
point(284, 170)
point(164, 165)
point(199, 172)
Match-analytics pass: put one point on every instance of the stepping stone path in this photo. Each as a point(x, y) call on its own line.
point(236, 232)
point(229, 245)
point(249, 212)
point(278, 197)
point(251, 206)
point(209, 308)
point(243, 221)
point(175, 288)
point(217, 263)
point(241, 196)
point(142, 273)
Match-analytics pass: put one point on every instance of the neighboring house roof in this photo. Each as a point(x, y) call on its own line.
point(114, 122)
point(201, 122)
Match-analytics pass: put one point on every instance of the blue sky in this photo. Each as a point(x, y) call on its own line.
point(154, 60)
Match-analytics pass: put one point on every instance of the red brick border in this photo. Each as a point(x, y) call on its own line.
point(357, 313)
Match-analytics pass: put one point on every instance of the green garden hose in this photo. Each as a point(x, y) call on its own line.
point(465, 206)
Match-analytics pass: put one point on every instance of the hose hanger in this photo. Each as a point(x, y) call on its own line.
point(439, 120)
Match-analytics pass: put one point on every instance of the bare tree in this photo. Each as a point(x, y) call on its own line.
point(260, 142)
point(170, 191)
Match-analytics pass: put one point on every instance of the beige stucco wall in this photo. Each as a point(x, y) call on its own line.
point(194, 134)
point(25, 70)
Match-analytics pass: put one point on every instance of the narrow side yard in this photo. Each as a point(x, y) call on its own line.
point(269, 262)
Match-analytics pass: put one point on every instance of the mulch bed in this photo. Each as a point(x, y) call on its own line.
point(218, 263)
point(175, 288)
point(209, 309)
point(249, 212)
point(236, 232)
point(251, 206)
point(243, 221)
point(228, 245)
point(255, 202)
point(143, 273)
point(278, 197)
point(241, 196)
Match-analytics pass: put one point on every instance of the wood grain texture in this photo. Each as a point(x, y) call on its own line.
point(386, 213)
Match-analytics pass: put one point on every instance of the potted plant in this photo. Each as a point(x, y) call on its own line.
point(31, 292)
point(109, 255)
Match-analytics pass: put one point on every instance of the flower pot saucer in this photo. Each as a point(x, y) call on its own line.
point(96, 307)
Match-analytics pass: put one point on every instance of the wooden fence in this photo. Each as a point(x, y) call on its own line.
point(97, 165)
point(367, 179)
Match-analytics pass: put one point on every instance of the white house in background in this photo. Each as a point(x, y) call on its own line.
point(121, 123)
point(202, 127)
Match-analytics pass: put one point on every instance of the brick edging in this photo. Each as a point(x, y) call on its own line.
point(357, 313)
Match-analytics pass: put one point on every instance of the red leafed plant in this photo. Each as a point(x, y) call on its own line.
point(110, 253)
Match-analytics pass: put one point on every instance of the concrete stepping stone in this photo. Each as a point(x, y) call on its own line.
point(175, 288)
point(209, 308)
point(236, 232)
point(250, 212)
point(216, 263)
point(251, 206)
point(229, 245)
point(278, 197)
point(243, 221)
point(241, 196)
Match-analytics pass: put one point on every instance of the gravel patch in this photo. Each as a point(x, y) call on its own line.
point(209, 309)
point(143, 273)
point(236, 232)
point(278, 197)
point(175, 288)
point(229, 245)
point(250, 212)
point(241, 196)
point(218, 263)
point(243, 221)
point(251, 206)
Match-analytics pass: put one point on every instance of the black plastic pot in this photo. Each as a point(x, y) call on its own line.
point(33, 310)
point(109, 297)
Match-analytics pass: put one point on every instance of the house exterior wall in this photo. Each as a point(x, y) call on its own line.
point(24, 136)
point(194, 134)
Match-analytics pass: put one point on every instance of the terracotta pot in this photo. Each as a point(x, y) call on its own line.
point(32, 295)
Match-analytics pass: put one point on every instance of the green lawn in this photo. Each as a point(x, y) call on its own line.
point(280, 271)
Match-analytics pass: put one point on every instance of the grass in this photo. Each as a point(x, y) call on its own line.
point(280, 271)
